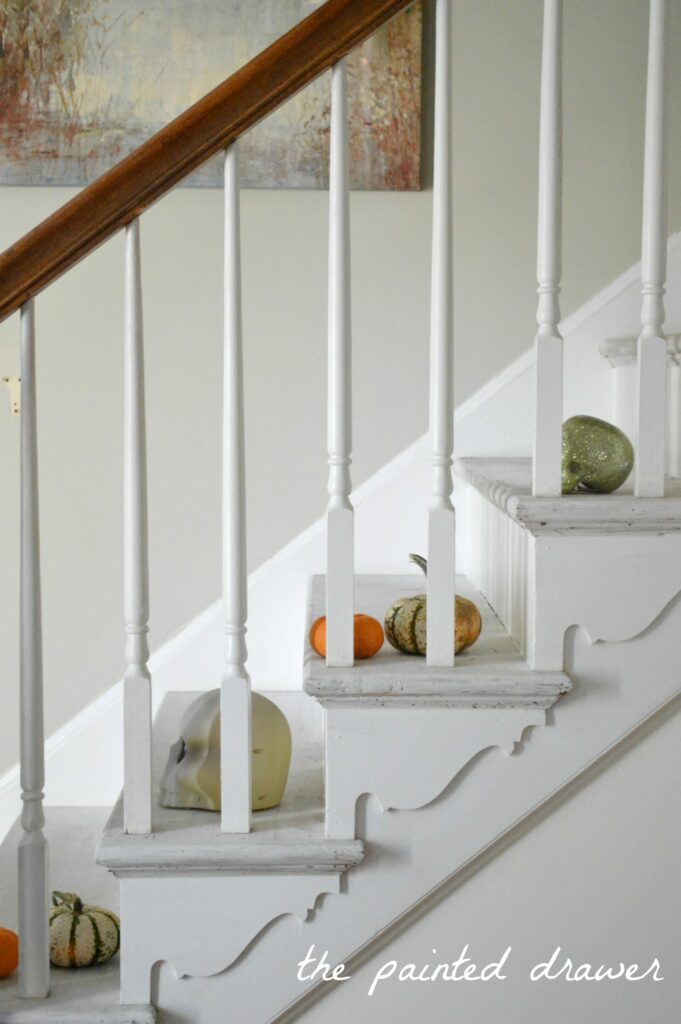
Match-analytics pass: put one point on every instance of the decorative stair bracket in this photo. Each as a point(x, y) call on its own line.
point(200, 923)
point(406, 751)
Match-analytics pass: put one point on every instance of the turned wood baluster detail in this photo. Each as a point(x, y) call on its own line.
point(137, 680)
point(652, 348)
point(340, 515)
point(235, 699)
point(34, 971)
point(548, 424)
point(441, 565)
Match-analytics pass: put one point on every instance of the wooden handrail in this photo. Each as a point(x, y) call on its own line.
point(151, 170)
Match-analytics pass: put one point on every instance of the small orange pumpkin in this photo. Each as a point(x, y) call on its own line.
point(9, 952)
point(369, 636)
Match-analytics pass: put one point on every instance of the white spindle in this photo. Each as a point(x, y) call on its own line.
point(652, 348)
point(440, 585)
point(548, 424)
point(235, 700)
point(340, 515)
point(137, 680)
point(34, 978)
point(674, 406)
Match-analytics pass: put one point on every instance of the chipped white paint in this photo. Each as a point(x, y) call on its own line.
point(549, 343)
point(507, 484)
point(491, 674)
point(340, 538)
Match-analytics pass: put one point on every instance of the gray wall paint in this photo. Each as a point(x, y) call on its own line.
point(496, 73)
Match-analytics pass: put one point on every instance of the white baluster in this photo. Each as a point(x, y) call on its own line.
point(674, 406)
point(137, 680)
point(34, 978)
point(652, 348)
point(548, 424)
point(440, 584)
point(340, 515)
point(235, 700)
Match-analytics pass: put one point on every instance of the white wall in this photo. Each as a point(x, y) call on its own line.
point(496, 55)
point(598, 877)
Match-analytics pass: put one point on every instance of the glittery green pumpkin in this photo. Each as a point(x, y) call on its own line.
point(597, 456)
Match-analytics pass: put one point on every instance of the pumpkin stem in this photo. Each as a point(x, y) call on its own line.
point(69, 898)
point(421, 562)
point(77, 905)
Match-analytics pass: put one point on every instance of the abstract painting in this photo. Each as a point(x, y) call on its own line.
point(83, 82)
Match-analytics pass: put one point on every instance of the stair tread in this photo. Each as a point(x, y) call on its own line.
point(90, 996)
point(492, 673)
point(289, 838)
point(507, 483)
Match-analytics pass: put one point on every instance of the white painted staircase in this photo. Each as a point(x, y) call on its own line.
point(408, 773)
point(206, 914)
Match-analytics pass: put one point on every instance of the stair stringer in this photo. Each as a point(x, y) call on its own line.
point(616, 687)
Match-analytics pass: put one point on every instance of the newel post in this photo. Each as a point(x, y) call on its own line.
point(548, 426)
point(441, 566)
point(235, 692)
point(34, 970)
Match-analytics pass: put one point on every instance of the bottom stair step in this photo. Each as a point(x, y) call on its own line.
point(91, 994)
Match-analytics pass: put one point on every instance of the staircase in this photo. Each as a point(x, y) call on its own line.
point(408, 773)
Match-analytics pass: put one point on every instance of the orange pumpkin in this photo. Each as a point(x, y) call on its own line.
point(368, 636)
point(9, 952)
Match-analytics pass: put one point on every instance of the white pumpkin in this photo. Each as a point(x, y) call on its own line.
point(81, 935)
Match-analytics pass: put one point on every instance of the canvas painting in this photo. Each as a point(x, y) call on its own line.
point(83, 82)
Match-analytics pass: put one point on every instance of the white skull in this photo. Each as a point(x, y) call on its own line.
point(192, 775)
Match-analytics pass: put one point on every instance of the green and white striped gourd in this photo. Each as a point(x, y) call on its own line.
point(405, 621)
point(81, 935)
